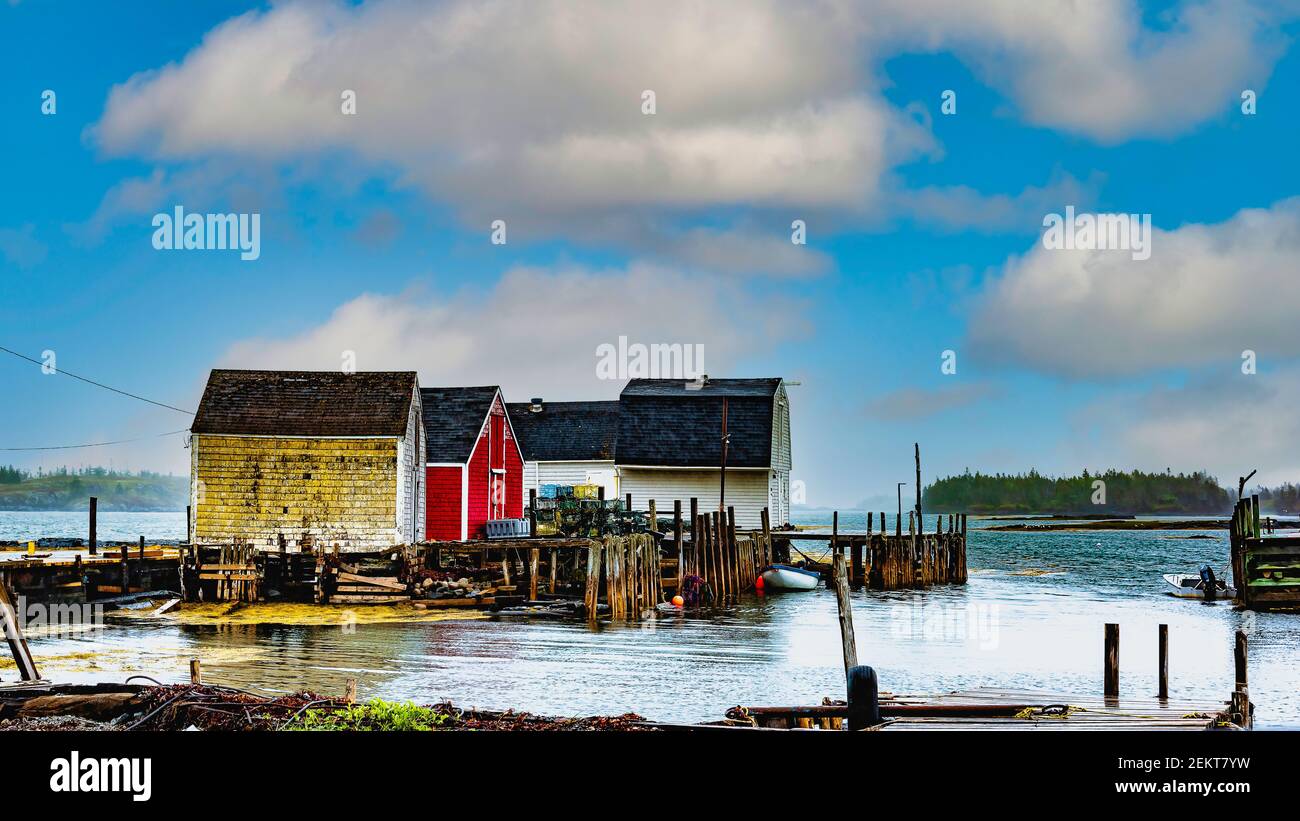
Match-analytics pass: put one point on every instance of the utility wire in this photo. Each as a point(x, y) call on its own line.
point(98, 385)
point(98, 444)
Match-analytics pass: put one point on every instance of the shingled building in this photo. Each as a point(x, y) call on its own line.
point(318, 457)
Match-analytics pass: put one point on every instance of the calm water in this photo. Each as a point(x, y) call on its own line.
point(19, 525)
point(1031, 617)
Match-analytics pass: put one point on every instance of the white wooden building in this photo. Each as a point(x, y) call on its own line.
point(670, 437)
point(567, 443)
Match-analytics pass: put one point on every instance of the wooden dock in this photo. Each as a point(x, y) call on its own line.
point(992, 708)
point(1265, 569)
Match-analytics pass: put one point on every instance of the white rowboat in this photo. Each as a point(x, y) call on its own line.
point(786, 577)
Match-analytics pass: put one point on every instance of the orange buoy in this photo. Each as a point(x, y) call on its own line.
point(758, 583)
point(679, 601)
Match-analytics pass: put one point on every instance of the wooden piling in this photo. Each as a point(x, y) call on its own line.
point(681, 545)
point(534, 555)
point(532, 512)
point(1111, 675)
point(93, 542)
point(839, 573)
point(1239, 659)
point(1163, 662)
point(350, 691)
point(196, 676)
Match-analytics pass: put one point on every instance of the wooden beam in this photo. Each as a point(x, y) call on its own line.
point(1111, 675)
point(839, 575)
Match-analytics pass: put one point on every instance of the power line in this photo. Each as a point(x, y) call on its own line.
point(97, 444)
point(98, 385)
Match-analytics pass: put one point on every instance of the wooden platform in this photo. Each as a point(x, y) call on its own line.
point(1081, 713)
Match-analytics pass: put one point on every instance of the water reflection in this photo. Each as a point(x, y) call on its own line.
point(1031, 617)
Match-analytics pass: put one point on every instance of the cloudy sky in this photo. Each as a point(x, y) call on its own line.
point(923, 224)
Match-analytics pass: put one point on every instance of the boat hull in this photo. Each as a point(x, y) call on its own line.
point(784, 577)
point(1190, 587)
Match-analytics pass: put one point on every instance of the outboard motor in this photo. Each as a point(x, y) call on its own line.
point(1208, 583)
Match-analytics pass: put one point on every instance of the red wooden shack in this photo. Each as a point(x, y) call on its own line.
point(474, 468)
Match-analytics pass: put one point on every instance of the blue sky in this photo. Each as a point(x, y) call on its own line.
point(923, 227)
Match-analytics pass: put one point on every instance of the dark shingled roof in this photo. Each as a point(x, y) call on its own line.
point(453, 418)
point(566, 431)
point(306, 403)
point(661, 422)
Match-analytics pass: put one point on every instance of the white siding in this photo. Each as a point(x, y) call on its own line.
point(410, 476)
point(747, 491)
point(537, 474)
point(781, 432)
point(778, 491)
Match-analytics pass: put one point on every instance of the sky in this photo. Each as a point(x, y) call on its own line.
point(922, 145)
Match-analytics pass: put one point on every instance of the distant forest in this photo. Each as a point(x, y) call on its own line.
point(1126, 492)
point(71, 489)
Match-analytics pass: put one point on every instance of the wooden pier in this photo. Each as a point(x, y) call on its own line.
point(1265, 569)
point(894, 561)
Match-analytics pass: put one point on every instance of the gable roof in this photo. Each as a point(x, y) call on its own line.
point(662, 422)
point(306, 403)
point(566, 431)
point(453, 418)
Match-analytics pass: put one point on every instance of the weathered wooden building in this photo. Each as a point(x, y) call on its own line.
point(316, 457)
point(670, 440)
point(567, 443)
point(473, 464)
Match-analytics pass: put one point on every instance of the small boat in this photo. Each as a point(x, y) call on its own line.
point(1196, 586)
point(788, 577)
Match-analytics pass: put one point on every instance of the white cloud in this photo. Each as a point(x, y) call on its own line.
point(1227, 425)
point(1094, 68)
point(920, 403)
point(1207, 293)
point(535, 332)
point(537, 105)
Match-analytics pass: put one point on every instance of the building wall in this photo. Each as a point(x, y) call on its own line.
point(479, 475)
point(411, 476)
point(781, 432)
point(443, 500)
point(596, 472)
point(747, 490)
point(335, 491)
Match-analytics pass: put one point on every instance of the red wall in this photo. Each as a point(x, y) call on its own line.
point(442, 516)
point(444, 484)
point(478, 487)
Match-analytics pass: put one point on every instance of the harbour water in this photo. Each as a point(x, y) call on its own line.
point(1030, 617)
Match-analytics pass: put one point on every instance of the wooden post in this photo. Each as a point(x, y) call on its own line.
point(1163, 664)
point(94, 539)
point(1239, 659)
point(681, 546)
point(350, 691)
point(767, 537)
point(533, 556)
point(839, 574)
point(189, 524)
point(1112, 661)
point(12, 628)
point(553, 559)
point(532, 511)
point(835, 533)
point(733, 551)
point(196, 676)
point(654, 517)
point(592, 593)
point(918, 486)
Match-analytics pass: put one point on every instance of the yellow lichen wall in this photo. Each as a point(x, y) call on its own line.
point(337, 491)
